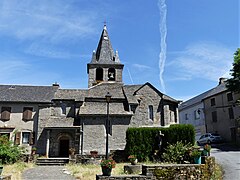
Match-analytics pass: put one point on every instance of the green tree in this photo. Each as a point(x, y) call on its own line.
point(233, 84)
point(9, 153)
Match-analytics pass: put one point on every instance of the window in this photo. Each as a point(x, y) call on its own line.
point(214, 116)
point(7, 135)
point(229, 96)
point(230, 113)
point(64, 108)
point(111, 74)
point(186, 116)
point(213, 103)
point(197, 114)
point(5, 113)
point(150, 112)
point(25, 137)
point(99, 74)
point(27, 113)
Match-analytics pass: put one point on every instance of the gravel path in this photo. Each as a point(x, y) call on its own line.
point(47, 172)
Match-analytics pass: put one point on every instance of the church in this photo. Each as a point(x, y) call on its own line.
point(54, 120)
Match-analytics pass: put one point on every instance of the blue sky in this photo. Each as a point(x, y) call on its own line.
point(43, 42)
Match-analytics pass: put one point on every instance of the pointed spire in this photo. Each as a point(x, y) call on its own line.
point(104, 53)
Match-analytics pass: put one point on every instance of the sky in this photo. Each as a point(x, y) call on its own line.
point(180, 47)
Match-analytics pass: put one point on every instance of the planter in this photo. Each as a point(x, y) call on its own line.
point(106, 171)
point(134, 162)
point(1, 169)
point(197, 160)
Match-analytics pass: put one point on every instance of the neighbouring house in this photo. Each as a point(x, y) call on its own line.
point(213, 111)
point(192, 112)
point(59, 119)
point(222, 114)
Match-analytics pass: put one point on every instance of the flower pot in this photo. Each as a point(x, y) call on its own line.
point(106, 171)
point(134, 162)
point(1, 169)
point(197, 160)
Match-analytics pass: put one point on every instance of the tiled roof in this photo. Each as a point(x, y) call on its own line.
point(129, 90)
point(218, 89)
point(19, 93)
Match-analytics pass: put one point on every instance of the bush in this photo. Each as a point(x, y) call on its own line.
point(9, 153)
point(176, 153)
point(142, 141)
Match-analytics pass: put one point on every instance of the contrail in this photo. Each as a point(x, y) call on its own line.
point(163, 32)
point(130, 76)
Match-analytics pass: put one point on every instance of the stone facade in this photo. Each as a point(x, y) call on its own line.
point(76, 119)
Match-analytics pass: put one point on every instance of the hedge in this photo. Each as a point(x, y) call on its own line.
point(142, 141)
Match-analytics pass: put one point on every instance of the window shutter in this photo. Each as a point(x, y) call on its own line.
point(27, 113)
point(5, 113)
point(32, 136)
point(17, 138)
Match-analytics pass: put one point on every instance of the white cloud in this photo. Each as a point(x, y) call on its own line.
point(141, 67)
point(202, 60)
point(49, 20)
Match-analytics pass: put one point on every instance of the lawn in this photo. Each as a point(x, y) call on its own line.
point(16, 169)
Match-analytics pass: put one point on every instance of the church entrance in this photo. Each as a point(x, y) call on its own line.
point(63, 147)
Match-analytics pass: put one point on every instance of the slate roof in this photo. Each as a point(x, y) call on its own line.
point(100, 90)
point(71, 94)
point(20, 93)
point(104, 53)
point(218, 89)
point(193, 101)
point(197, 99)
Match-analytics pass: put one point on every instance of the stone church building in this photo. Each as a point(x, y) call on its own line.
point(55, 120)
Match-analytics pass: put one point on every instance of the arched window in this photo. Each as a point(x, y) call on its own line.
point(99, 74)
point(150, 112)
point(111, 74)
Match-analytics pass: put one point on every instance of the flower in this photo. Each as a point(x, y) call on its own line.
point(132, 158)
point(108, 163)
point(207, 147)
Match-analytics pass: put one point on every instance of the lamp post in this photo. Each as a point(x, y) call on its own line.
point(108, 98)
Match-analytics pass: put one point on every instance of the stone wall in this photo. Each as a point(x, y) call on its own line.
point(181, 171)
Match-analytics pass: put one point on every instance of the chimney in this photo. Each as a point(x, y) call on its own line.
point(222, 80)
point(55, 84)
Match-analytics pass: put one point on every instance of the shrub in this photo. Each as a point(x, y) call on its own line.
point(176, 153)
point(143, 142)
point(9, 153)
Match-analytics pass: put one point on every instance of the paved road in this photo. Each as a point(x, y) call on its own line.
point(46, 173)
point(229, 158)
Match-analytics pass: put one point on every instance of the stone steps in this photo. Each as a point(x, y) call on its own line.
point(52, 161)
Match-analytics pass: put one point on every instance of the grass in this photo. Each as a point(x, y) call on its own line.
point(16, 169)
point(218, 173)
point(88, 172)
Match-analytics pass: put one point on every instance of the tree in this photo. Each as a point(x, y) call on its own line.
point(9, 153)
point(233, 84)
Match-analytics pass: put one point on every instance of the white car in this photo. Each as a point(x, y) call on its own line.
point(210, 138)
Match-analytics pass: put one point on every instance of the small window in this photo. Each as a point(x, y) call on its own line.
point(197, 114)
point(27, 113)
point(229, 96)
point(99, 74)
point(6, 135)
point(230, 113)
point(25, 137)
point(186, 116)
point(213, 103)
point(64, 108)
point(5, 113)
point(214, 116)
point(111, 74)
point(150, 112)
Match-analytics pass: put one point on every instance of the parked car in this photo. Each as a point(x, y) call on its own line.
point(210, 138)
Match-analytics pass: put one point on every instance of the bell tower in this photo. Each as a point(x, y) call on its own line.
point(105, 65)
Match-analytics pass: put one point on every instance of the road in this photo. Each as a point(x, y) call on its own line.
point(229, 158)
